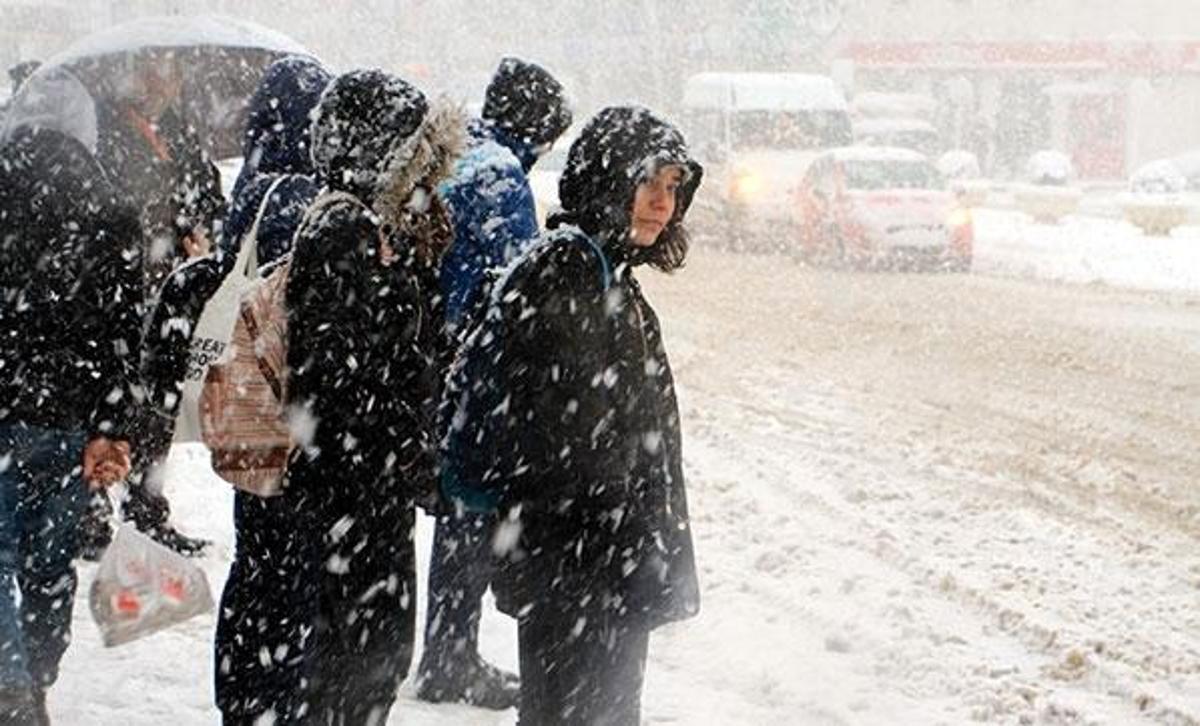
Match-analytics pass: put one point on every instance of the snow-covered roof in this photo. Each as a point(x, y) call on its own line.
point(892, 125)
point(876, 153)
point(178, 31)
point(875, 104)
point(763, 92)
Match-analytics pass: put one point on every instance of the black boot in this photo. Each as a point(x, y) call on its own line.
point(471, 680)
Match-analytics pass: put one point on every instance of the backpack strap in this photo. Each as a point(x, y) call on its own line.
point(606, 275)
point(247, 259)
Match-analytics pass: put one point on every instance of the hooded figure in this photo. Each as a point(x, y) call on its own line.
point(270, 596)
point(495, 219)
point(593, 497)
point(276, 149)
point(364, 328)
point(525, 110)
point(70, 335)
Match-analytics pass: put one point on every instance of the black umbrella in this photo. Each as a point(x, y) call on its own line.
point(219, 60)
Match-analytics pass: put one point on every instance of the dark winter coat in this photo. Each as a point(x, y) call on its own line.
point(362, 342)
point(70, 289)
point(362, 335)
point(275, 148)
point(592, 456)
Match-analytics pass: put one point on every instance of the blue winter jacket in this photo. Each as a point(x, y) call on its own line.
point(276, 148)
point(492, 207)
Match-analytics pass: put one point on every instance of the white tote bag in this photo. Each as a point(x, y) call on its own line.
point(210, 340)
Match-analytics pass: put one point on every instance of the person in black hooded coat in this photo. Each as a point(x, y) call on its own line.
point(364, 337)
point(70, 336)
point(270, 596)
point(595, 529)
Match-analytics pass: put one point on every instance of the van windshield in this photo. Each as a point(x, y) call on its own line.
point(870, 175)
point(790, 130)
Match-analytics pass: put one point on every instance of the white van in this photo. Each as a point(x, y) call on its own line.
point(756, 133)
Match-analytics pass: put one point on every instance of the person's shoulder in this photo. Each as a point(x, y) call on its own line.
point(485, 161)
point(337, 215)
point(565, 259)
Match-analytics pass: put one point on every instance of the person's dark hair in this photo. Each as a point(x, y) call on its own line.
point(669, 251)
point(618, 149)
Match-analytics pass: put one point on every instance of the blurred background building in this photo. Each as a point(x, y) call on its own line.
point(1113, 84)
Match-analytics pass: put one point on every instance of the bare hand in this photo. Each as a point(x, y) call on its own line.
point(105, 462)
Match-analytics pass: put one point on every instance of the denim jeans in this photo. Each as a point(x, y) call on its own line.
point(42, 497)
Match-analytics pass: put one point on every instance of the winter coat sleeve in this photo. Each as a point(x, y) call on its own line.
point(117, 306)
point(168, 334)
point(80, 218)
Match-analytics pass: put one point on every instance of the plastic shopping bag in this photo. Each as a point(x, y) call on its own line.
point(142, 587)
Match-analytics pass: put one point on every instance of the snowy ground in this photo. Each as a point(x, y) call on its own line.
point(919, 499)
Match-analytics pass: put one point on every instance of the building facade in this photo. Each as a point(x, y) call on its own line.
point(1113, 84)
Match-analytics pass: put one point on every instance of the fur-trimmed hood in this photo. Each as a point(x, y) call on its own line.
point(422, 161)
point(376, 137)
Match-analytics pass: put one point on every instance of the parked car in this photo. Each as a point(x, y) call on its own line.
point(905, 133)
point(962, 171)
point(881, 208)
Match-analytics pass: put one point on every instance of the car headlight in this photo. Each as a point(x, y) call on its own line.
point(747, 185)
point(960, 217)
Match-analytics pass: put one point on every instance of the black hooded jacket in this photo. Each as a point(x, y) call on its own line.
point(591, 453)
point(70, 289)
point(363, 336)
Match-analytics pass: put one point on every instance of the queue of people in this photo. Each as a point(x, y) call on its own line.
point(442, 353)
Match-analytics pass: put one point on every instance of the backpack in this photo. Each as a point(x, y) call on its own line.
point(243, 403)
point(243, 400)
point(474, 411)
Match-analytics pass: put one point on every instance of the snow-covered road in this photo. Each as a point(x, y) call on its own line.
point(919, 499)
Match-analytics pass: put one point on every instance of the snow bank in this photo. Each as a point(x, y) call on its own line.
point(1087, 250)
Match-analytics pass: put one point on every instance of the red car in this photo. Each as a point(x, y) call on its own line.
point(881, 208)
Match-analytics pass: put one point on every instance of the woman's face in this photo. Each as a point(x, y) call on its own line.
point(654, 205)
